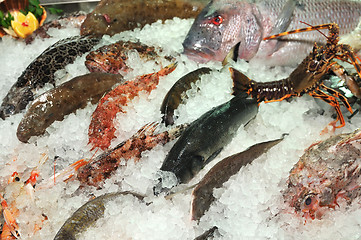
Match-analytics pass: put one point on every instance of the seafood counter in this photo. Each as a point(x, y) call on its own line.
point(113, 133)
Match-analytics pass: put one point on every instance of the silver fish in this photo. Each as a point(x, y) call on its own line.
point(223, 24)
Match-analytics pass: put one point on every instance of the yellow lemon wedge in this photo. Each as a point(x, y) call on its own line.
point(24, 25)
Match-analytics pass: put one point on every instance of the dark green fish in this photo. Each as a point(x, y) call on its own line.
point(41, 71)
point(205, 138)
point(221, 172)
point(87, 215)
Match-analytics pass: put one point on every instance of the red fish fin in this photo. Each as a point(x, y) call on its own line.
point(241, 83)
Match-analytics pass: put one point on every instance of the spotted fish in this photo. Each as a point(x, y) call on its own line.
point(42, 70)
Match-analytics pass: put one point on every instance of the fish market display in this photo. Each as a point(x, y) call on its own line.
point(175, 95)
point(221, 172)
point(112, 58)
point(58, 102)
point(308, 76)
point(326, 174)
point(250, 205)
point(114, 16)
point(101, 129)
point(87, 215)
point(205, 138)
point(224, 23)
point(96, 171)
point(41, 71)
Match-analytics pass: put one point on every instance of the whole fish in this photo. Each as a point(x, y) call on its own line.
point(221, 172)
point(114, 16)
point(176, 94)
point(102, 167)
point(41, 71)
point(101, 129)
point(88, 214)
point(205, 138)
point(112, 58)
point(224, 24)
point(58, 102)
point(327, 172)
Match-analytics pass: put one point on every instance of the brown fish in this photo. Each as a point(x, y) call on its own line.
point(175, 95)
point(114, 16)
point(102, 167)
point(221, 172)
point(58, 102)
point(88, 214)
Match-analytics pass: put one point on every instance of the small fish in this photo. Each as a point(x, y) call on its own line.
point(221, 172)
point(88, 214)
point(224, 23)
point(41, 71)
point(175, 95)
point(102, 167)
point(101, 129)
point(327, 172)
point(112, 58)
point(205, 138)
point(114, 16)
point(58, 102)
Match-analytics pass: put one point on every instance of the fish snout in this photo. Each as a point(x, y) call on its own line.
point(7, 110)
point(164, 183)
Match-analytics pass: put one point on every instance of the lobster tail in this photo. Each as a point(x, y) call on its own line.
point(8, 5)
point(241, 83)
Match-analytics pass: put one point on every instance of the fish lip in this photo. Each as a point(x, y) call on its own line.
point(200, 55)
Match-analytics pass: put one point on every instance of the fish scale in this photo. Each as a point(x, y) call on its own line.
point(247, 23)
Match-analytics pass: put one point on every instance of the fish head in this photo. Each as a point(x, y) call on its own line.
point(219, 27)
point(309, 194)
point(16, 100)
point(107, 62)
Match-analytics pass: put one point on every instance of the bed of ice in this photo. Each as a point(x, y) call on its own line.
point(249, 206)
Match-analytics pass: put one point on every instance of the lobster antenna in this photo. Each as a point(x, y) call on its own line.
point(318, 30)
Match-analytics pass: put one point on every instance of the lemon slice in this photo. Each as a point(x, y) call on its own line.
point(24, 25)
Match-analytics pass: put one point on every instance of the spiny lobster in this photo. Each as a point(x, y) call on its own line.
point(308, 76)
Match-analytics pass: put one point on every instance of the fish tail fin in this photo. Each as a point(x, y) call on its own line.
point(241, 83)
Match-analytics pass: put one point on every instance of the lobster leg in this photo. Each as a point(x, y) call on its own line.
point(334, 103)
point(340, 72)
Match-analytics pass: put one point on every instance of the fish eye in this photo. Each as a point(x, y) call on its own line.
point(308, 201)
point(217, 20)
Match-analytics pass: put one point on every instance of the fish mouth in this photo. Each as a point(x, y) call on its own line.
point(200, 55)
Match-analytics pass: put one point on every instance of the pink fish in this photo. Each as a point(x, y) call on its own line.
point(327, 172)
point(241, 24)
